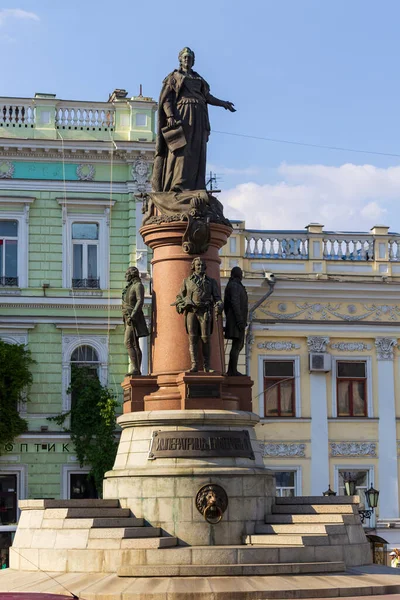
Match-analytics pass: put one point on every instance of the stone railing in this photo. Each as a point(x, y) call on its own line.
point(283, 245)
point(331, 246)
point(340, 246)
point(81, 116)
point(47, 117)
point(17, 114)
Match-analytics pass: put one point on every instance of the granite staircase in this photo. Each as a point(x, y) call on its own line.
point(302, 536)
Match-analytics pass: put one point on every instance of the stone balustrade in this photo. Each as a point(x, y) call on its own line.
point(17, 114)
point(46, 117)
point(79, 116)
point(270, 244)
point(335, 246)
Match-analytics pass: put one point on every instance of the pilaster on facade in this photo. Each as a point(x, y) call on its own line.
point(388, 468)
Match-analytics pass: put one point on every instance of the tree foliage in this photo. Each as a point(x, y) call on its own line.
point(92, 423)
point(15, 379)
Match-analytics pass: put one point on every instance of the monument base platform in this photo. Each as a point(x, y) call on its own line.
point(187, 390)
point(361, 581)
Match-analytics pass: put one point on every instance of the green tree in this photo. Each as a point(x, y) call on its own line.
point(92, 423)
point(15, 379)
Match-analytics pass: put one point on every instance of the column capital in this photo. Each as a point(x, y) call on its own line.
point(385, 347)
point(317, 343)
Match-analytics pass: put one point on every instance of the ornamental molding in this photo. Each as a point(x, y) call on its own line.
point(316, 311)
point(353, 449)
point(85, 172)
point(351, 346)
point(281, 345)
point(282, 450)
point(6, 169)
point(140, 172)
point(385, 347)
point(317, 343)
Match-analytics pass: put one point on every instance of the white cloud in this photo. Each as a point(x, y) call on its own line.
point(349, 197)
point(16, 13)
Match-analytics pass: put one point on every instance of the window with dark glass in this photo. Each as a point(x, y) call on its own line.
point(279, 390)
point(85, 245)
point(8, 499)
point(83, 356)
point(351, 381)
point(9, 252)
point(285, 483)
point(81, 486)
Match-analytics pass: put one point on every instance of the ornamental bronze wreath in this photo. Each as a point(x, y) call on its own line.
point(212, 502)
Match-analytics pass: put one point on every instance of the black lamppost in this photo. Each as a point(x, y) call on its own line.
point(372, 497)
point(329, 492)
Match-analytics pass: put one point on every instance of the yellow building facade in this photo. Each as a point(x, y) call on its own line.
point(323, 352)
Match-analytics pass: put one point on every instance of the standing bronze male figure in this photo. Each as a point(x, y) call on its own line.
point(183, 129)
point(236, 308)
point(198, 296)
point(134, 321)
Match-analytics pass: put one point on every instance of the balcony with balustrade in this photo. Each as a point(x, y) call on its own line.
point(314, 252)
point(47, 117)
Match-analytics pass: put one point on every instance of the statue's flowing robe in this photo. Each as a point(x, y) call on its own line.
point(185, 99)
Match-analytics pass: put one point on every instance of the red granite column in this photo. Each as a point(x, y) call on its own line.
point(170, 348)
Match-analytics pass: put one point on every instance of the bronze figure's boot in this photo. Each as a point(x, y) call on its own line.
point(206, 355)
point(193, 351)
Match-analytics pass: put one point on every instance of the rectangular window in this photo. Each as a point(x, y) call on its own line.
point(285, 483)
point(9, 252)
point(85, 247)
point(279, 389)
point(81, 486)
point(351, 380)
point(362, 483)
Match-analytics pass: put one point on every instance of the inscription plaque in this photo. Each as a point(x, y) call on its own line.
point(198, 444)
point(203, 390)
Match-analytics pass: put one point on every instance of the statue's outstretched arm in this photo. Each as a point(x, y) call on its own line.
point(223, 103)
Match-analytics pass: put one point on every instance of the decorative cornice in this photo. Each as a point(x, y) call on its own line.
point(281, 345)
point(279, 450)
point(385, 347)
point(351, 346)
point(313, 311)
point(317, 343)
point(353, 449)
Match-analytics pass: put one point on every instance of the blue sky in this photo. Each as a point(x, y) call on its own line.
point(312, 71)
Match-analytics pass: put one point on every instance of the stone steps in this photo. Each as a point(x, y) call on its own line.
point(124, 532)
point(309, 509)
point(300, 528)
point(288, 540)
point(230, 570)
point(102, 522)
point(320, 500)
point(94, 513)
point(348, 519)
point(87, 503)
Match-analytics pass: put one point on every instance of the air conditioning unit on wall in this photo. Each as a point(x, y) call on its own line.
point(320, 362)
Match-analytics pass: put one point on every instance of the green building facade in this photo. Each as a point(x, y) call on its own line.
point(70, 173)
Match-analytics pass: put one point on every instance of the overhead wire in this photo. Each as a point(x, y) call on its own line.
point(306, 144)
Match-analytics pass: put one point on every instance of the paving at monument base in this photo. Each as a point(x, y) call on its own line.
point(356, 582)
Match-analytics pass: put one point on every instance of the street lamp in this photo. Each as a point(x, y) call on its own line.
point(329, 492)
point(372, 497)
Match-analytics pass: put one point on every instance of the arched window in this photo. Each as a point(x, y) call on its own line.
point(86, 356)
point(83, 350)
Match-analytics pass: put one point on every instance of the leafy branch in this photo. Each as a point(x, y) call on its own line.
point(15, 379)
point(92, 423)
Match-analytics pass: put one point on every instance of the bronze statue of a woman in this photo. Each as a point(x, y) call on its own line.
point(183, 129)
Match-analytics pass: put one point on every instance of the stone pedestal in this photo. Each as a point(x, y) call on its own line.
point(162, 490)
point(135, 389)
